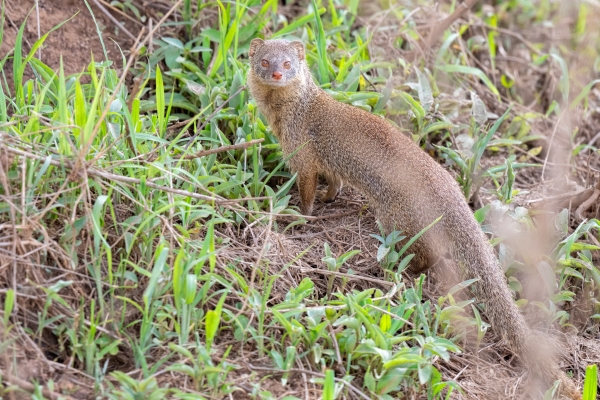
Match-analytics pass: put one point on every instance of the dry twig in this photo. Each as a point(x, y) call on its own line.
point(309, 372)
point(23, 384)
point(119, 178)
point(221, 149)
point(587, 204)
point(114, 20)
point(241, 88)
point(438, 30)
point(115, 9)
point(572, 199)
point(343, 275)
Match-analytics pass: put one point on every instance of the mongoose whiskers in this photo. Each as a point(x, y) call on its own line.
point(407, 188)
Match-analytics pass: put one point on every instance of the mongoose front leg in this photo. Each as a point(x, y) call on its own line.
point(334, 186)
point(307, 185)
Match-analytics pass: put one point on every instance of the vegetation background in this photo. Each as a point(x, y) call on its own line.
point(150, 240)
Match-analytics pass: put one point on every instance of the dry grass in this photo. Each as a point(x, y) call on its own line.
point(44, 337)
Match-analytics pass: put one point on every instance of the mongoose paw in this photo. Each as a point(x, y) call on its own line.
point(326, 197)
point(306, 210)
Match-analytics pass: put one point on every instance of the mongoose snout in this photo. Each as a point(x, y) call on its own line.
point(407, 188)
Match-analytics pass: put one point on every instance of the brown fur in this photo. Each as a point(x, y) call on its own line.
point(408, 188)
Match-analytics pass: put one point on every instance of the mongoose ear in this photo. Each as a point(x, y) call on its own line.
point(299, 46)
point(255, 44)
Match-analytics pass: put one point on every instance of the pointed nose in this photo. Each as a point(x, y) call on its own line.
point(277, 75)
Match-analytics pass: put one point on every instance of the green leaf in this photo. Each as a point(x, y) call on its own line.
point(482, 213)
point(386, 93)
point(160, 102)
point(454, 156)
point(391, 380)
point(563, 83)
point(213, 319)
point(415, 107)
point(462, 285)
point(18, 67)
point(212, 325)
point(80, 111)
point(586, 90)
point(160, 258)
point(550, 393)
point(590, 385)
point(418, 235)
point(347, 64)
point(483, 143)
point(9, 303)
point(181, 350)
point(438, 126)
point(178, 291)
point(385, 322)
point(173, 42)
point(3, 113)
point(425, 94)
point(190, 288)
point(323, 59)
point(382, 251)
point(329, 385)
point(425, 373)
point(298, 23)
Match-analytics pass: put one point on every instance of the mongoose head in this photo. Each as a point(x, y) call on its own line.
point(276, 62)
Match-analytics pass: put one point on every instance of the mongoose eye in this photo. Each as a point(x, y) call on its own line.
point(287, 65)
point(265, 63)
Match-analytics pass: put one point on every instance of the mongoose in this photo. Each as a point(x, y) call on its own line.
point(406, 187)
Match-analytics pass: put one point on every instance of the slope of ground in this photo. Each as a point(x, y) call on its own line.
point(119, 283)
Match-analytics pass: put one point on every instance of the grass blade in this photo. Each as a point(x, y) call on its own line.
point(476, 72)
point(300, 22)
point(590, 386)
point(160, 102)
point(323, 60)
point(18, 64)
point(329, 386)
point(9, 303)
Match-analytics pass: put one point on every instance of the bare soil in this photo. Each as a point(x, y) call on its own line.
point(76, 41)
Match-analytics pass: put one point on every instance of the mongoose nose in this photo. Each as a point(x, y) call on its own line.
point(277, 75)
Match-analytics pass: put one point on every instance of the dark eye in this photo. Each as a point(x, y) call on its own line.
point(287, 65)
point(265, 63)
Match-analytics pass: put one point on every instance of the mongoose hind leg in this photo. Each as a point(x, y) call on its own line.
point(334, 187)
point(421, 260)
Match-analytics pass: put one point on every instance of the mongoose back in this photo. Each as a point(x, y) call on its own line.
point(407, 188)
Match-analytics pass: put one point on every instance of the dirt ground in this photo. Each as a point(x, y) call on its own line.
point(75, 41)
point(78, 39)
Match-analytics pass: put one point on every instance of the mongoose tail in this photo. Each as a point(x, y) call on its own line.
point(479, 261)
point(407, 188)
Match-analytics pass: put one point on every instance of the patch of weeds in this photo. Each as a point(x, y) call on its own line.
point(132, 240)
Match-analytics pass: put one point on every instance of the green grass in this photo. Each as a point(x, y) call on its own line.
point(127, 243)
